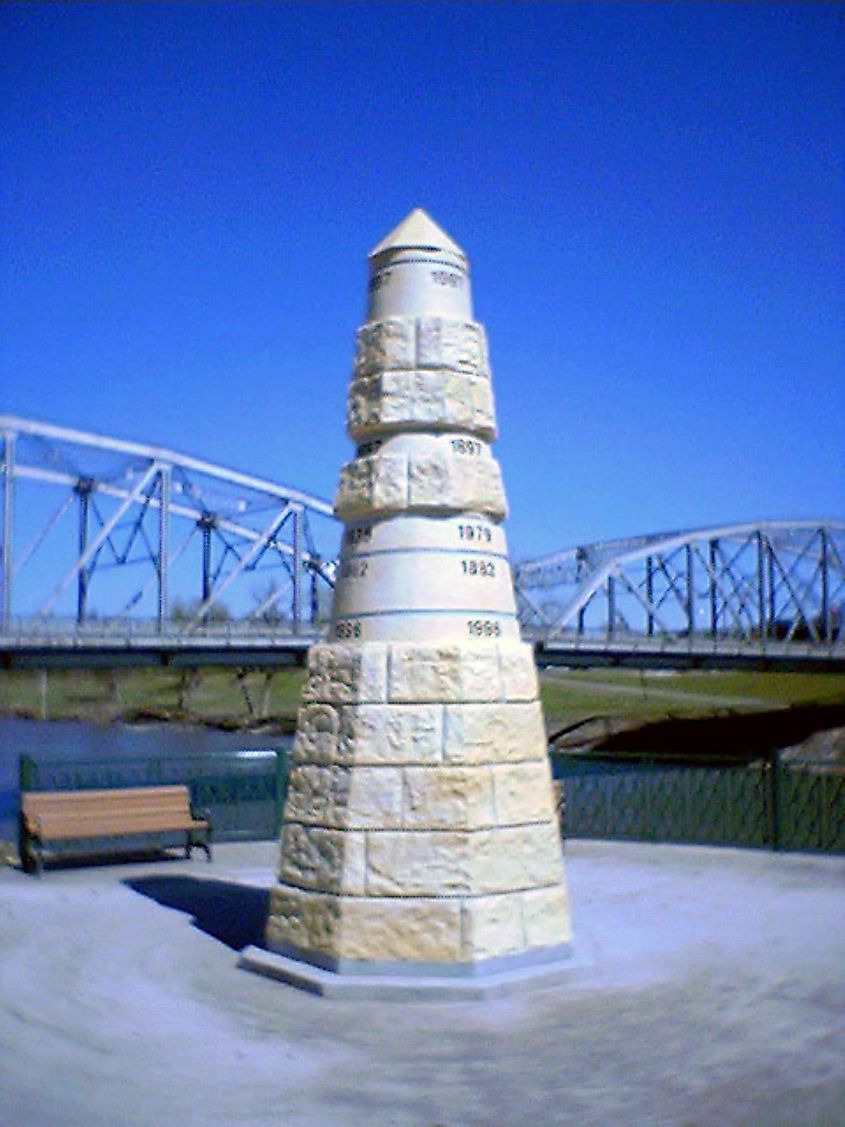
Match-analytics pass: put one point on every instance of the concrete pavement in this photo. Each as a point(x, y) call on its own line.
point(711, 991)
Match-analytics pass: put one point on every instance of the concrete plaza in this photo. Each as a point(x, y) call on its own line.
point(708, 989)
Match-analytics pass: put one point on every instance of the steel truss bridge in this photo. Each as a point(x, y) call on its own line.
point(116, 551)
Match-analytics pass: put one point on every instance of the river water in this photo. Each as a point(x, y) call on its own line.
point(68, 740)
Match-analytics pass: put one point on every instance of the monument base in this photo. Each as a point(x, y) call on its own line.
point(416, 982)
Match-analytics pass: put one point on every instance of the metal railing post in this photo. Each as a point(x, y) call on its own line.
point(776, 795)
point(282, 772)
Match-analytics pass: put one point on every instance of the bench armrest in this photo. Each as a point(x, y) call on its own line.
point(201, 814)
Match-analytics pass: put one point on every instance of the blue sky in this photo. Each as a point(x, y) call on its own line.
point(651, 198)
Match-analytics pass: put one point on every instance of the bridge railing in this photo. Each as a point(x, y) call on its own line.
point(26, 629)
point(697, 644)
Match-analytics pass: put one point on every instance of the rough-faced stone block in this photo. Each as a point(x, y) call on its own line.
point(416, 930)
point(371, 484)
point(438, 480)
point(443, 343)
point(433, 482)
point(523, 793)
point(545, 914)
point(339, 673)
point(325, 860)
point(430, 400)
point(483, 408)
point(414, 398)
point(420, 863)
point(491, 926)
point(447, 798)
point(479, 674)
point(516, 857)
point(485, 489)
point(397, 734)
point(518, 671)
point(386, 344)
point(375, 798)
point(477, 733)
point(355, 489)
point(363, 406)
point(390, 482)
point(308, 920)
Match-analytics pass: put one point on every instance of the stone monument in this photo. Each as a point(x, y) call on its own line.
point(420, 849)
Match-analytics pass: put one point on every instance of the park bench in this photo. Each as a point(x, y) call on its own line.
point(51, 819)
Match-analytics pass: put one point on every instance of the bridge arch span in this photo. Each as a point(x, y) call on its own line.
point(754, 585)
point(118, 528)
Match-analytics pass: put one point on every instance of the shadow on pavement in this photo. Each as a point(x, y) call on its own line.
point(234, 914)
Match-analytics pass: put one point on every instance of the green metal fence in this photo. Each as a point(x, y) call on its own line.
point(766, 806)
point(243, 790)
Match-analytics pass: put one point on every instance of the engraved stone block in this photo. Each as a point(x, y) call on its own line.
point(447, 798)
point(399, 733)
point(336, 797)
point(346, 674)
point(317, 794)
point(545, 914)
point(447, 672)
point(424, 673)
point(475, 733)
point(308, 920)
point(326, 860)
point(420, 863)
point(473, 862)
point(416, 930)
point(317, 727)
point(523, 793)
point(491, 926)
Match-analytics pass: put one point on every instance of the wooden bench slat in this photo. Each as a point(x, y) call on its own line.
point(68, 830)
point(67, 799)
point(129, 809)
point(133, 811)
point(150, 817)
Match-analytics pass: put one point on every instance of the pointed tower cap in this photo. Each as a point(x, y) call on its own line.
point(418, 231)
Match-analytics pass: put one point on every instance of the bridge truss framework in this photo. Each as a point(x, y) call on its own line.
point(126, 541)
point(147, 512)
point(761, 588)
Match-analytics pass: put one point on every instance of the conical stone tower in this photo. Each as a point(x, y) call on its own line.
point(420, 835)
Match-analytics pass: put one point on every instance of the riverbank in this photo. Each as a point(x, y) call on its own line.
point(709, 991)
point(267, 700)
point(212, 697)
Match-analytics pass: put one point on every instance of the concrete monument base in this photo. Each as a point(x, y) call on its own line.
point(397, 981)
